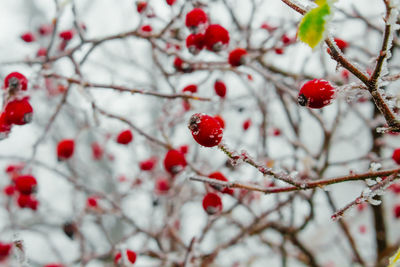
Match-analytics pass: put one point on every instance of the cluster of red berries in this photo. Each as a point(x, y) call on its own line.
point(5, 250)
point(17, 109)
point(317, 94)
point(22, 186)
point(130, 256)
point(206, 130)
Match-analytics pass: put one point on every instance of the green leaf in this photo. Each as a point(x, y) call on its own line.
point(313, 25)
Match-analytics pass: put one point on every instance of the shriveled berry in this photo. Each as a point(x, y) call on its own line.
point(25, 184)
point(65, 149)
point(66, 35)
point(220, 88)
point(216, 37)
point(195, 18)
point(212, 203)
point(195, 43)
point(28, 37)
point(237, 57)
point(174, 161)
point(125, 137)
point(191, 88)
point(220, 120)
point(16, 81)
point(18, 112)
point(206, 130)
point(316, 93)
point(130, 255)
point(396, 155)
point(219, 176)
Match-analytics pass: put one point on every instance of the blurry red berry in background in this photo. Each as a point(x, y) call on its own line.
point(212, 203)
point(28, 37)
point(125, 137)
point(25, 184)
point(220, 88)
point(174, 161)
point(66, 35)
point(237, 57)
point(65, 149)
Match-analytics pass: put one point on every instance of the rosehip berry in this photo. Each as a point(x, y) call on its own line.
point(66, 35)
point(125, 137)
point(146, 28)
point(28, 37)
point(91, 202)
point(192, 88)
point(16, 81)
point(174, 161)
point(396, 211)
point(212, 203)
point(5, 127)
point(147, 165)
point(216, 37)
point(170, 2)
point(9, 190)
point(220, 120)
point(237, 57)
point(131, 256)
point(195, 43)
point(246, 124)
point(220, 88)
point(285, 39)
point(219, 176)
point(340, 43)
point(45, 29)
point(97, 151)
point(317, 93)
point(279, 51)
point(18, 112)
point(27, 201)
point(276, 132)
point(162, 185)
point(65, 149)
point(141, 6)
point(25, 184)
point(5, 250)
point(42, 52)
point(206, 130)
point(396, 155)
point(195, 18)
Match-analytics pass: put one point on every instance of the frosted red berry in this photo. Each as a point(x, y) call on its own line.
point(316, 93)
point(66, 35)
point(237, 57)
point(219, 176)
point(65, 149)
point(206, 130)
point(220, 120)
point(195, 18)
point(25, 184)
point(212, 203)
point(396, 155)
point(195, 43)
point(141, 6)
point(220, 88)
point(125, 137)
point(174, 161)
point(28, 37)
point(16, 81)
point(216, 37)
point(396, 211)
point(246, 124)
point(130, 255)
point(5, 250)
point(18, 112)
point(191, 88)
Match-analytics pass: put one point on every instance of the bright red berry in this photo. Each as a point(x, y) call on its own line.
point(276, 132)
point(317, 93)
point(65, 149)
point(219, 176)
point(125, 137)
point(246, 124)
point(174, 161)
point(27, 201)
point(162, 185)
point(212, 203)
point(206, 130)
point(45, 29)
point(279, 51)
point(148, 164)
point(192, 88)
point(285, 39)
point(141, 6)
point(16, 81)
point(14, 168)
point(195, 43)
point(170, 2)
point(220, 120)
point(28, 37)
point(9, 190)
point(91, 202)
point(5, 250)
point(396, 211)
point(396, 155)
point(216, 37)
point(146, 28)
point(237, 57)
point(195, 18)
point(220, 88)
point(97, 151)
point(25, 184)
point(340, 43)
point(130, 255)
point(18, 112)
point(66, 35)
point(5, 127)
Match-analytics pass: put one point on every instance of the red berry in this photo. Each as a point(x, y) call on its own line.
point(246, 124)
point(18, 112)
point(170, 2)
point(237, 57)
point(162, 185)
point(174, 161)
point(125, 137)
point(285, 39)
point(195, 43)
point(220, 88)
point(27, 201)
point(66, 35)
point(42, 52)
point(45, 29)
point(91, 202)
point(186, 105)
point(147, 165)
point(206, 130)
point(195, 18)
point(25, 184)
point(141, 6)
point(219, 176)
point(97, 151)
point(5, 250)
point(216, 37)
point(395, 188)
point(14, 168)
point(28, 37)
point(276, 132)
point(396, 211)
point(340, 43)
point(184, 149)
point(220, 120)
point(212, 203)
point(396, 155)
point(5, 127)
point(65, 149)
point(317, 93)
point(192, 88)
point(9, 190)
point(146, 28)
point(16, 81)
point(181, 65)
point(130, 255)
point(279, 51)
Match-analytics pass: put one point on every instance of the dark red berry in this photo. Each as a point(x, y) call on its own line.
point(237, 57)
point(206, 130)
point(317, 93)
point(220, 88)
point(9, 190)
point(65, 149)
point(212, 203)
point(148, 164)
point(181, 65)
point(146, 28)
point(174, 161)
point(18, 112)
point(5, 127)
point(192, 88)
point(27, 201)
point(216, 37)
point(219, 176)
point(91, 202)
point(16, 81)
point(195, 18)
point(124, 137)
